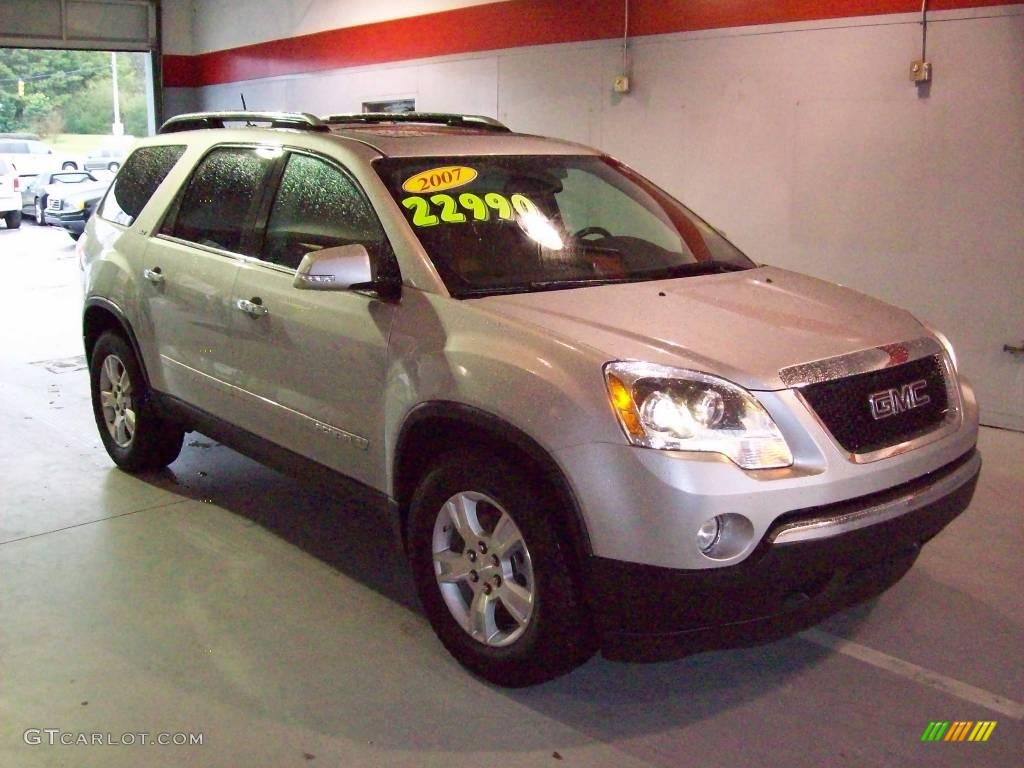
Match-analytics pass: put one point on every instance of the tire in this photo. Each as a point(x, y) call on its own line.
point(41, 211)
point(509, 579)
point(13, 219)
point(69, 166)
point(113, 166)
point(133, 433)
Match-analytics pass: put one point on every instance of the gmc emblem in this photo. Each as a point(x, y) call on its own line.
point(890, 402)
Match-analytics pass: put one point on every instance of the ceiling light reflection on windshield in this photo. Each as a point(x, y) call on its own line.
point(539, 228)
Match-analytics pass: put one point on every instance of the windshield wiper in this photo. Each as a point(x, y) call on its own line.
point(713, 267)
point(579, 282)
point(536, 286)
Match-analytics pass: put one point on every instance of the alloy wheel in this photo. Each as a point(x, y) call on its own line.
point(116, 400)
point(483, 569)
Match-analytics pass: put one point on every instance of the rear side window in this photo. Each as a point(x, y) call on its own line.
point(138, 180)
point(219, 202)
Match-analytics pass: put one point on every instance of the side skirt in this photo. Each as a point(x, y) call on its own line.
point(282, 459)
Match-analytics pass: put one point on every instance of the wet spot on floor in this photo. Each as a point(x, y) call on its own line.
point(63, 365)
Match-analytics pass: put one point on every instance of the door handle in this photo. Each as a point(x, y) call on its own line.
point(1014, 350)
point(252, 307)
point(154, 275)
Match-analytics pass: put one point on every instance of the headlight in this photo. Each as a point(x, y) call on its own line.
point(945, 344)
point(679, 410)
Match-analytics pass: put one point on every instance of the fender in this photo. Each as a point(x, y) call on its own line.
point(479, 423)
point(89, 336)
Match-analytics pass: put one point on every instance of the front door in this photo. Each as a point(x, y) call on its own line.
point(313, 363)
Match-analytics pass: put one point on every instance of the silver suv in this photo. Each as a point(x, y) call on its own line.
point(593, 423)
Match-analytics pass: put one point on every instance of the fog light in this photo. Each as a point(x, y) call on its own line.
point(707, 534)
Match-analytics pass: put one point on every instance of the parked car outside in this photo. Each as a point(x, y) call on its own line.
point(36, 191)
point(591, 421)
point(34, 157)
point(71, 210)
point(10, 195)
point(105, 158)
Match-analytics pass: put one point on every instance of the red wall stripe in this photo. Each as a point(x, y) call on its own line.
point(510, 24)
point(180, 71)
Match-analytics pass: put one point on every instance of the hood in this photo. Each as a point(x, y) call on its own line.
point(83, 192)
point(743, 326)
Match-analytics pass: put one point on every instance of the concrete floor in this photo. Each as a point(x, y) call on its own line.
point(221, 598)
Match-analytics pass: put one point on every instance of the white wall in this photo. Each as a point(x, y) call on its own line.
point(176, 19)
point(805, 142)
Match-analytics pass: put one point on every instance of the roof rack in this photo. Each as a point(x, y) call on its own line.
point(302, 121)
point(436, 118)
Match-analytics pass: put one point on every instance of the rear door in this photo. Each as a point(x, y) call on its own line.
point(189, 272)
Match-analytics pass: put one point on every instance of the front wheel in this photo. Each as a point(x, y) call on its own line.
point(69, 166)
point(41, 211)
point(493, 573)
point(132, 431)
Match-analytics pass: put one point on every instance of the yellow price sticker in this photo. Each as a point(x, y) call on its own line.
point(439, 179)
point(429, 212)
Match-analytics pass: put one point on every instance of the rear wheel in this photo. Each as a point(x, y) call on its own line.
point(494, 574)
point(113, 166)
point(13, 219)
point(134, 434)
point(41, 211)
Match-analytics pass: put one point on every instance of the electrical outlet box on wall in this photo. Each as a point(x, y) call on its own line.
point(920, 71)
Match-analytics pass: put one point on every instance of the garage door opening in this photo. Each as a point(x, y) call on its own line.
point(73, 109)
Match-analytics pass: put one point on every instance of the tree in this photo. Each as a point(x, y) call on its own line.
point(58, 85)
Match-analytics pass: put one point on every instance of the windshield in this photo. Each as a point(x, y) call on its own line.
point(72, 178)
point(510, 224)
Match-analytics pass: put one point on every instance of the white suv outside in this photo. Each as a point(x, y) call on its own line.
point(10, 195)
point(33, 157)
point(592, 422)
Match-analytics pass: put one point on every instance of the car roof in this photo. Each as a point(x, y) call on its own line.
point(443, 141)
point(414, 134)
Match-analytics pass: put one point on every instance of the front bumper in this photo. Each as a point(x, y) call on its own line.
point(649, 613)
point(72, 222)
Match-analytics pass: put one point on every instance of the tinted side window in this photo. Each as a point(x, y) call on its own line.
point(221, 197)
point(138, 180)
point(318, 206)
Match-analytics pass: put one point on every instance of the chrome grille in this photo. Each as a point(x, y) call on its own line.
point(881, 401)
point(845, 405)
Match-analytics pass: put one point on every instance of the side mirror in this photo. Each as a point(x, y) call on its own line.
point(335, 269)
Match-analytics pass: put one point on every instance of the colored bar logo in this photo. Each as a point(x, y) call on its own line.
point(958, 730)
